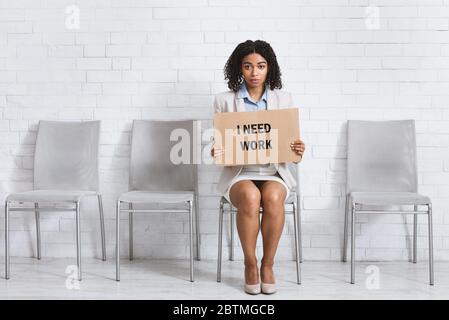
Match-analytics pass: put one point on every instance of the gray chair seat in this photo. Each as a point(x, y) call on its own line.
point(49, 196)
point(157, 196)
point(291, 197)
point(389, 198)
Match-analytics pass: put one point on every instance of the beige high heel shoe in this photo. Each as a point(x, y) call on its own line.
point(268, 288)
point(252, 288)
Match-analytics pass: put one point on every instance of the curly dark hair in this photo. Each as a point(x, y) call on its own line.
point(232, 69)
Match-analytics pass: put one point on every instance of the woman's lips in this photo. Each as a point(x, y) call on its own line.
point(254, 80)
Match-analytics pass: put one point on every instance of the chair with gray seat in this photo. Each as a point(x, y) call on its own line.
point(65, 171)
point(382, 173)
point(292, 205)
point(163, 170)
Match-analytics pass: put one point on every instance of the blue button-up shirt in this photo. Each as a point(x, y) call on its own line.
point(250, 104)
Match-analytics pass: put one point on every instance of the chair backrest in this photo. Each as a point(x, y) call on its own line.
point(381, 156)
point(164, 155)
point(66, 155)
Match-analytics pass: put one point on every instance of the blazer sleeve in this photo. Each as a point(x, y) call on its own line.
point(217, 109)
point(217, 104)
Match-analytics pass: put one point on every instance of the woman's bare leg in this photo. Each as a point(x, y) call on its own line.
point(245, 196)
point(273, 218)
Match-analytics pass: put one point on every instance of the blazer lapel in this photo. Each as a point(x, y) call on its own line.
point(272, 102)
point(239, 104)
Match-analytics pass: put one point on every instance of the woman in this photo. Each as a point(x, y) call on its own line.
point(254, 77)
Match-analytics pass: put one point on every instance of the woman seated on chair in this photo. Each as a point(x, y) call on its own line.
point(254, 77)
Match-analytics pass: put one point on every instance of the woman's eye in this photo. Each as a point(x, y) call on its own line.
point(261, 67)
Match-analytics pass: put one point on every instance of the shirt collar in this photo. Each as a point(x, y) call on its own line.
point(243, 93)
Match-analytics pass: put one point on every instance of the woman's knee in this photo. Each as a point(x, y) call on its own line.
point(249, 200)
point(273, 197)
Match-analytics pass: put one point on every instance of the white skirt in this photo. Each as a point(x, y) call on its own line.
point(240, 177)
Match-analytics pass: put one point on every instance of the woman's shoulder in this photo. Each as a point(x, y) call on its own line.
point(222, 100)
point(225, 94)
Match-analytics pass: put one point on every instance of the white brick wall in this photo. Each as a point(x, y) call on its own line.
point(163, 59)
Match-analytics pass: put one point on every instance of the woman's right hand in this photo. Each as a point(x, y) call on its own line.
point(216, 152)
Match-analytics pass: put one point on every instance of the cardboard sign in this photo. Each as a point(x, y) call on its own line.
point(256, 137)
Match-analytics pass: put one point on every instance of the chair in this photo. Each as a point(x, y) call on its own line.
point(292, 205)
point(155, 176)
point(382, 171)
point(65, 171)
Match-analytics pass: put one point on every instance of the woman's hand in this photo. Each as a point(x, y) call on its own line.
point(216, 152)
point(298, 147)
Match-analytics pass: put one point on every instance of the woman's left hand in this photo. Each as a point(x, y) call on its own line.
point(298, 147)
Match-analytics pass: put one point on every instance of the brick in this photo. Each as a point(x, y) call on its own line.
point(94, 63)
point(123, 50)
point(321, 203)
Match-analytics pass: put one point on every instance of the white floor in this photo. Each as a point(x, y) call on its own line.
point(168, 279)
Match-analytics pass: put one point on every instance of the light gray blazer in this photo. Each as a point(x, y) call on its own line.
point(229, 101)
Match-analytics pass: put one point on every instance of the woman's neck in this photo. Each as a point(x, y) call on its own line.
point(256, 92)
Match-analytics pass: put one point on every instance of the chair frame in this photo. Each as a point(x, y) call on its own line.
point(351, 217)
point(37, 209)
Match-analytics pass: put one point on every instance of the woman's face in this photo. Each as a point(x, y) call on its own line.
point(254, 70)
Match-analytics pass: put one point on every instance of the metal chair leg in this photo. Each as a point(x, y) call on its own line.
point(78, 240)
point(353, 208)
point(298, 222)
point(117, 241)
point(131, 232)
point(431, 274)
point(231, 257)
point(38, 229)
point(297, 244)
point(220, 241)
point(197, 228)
point(103, 237)
point(345, 234)
point(191, 239)
point(415, 234)
point(7, 264)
